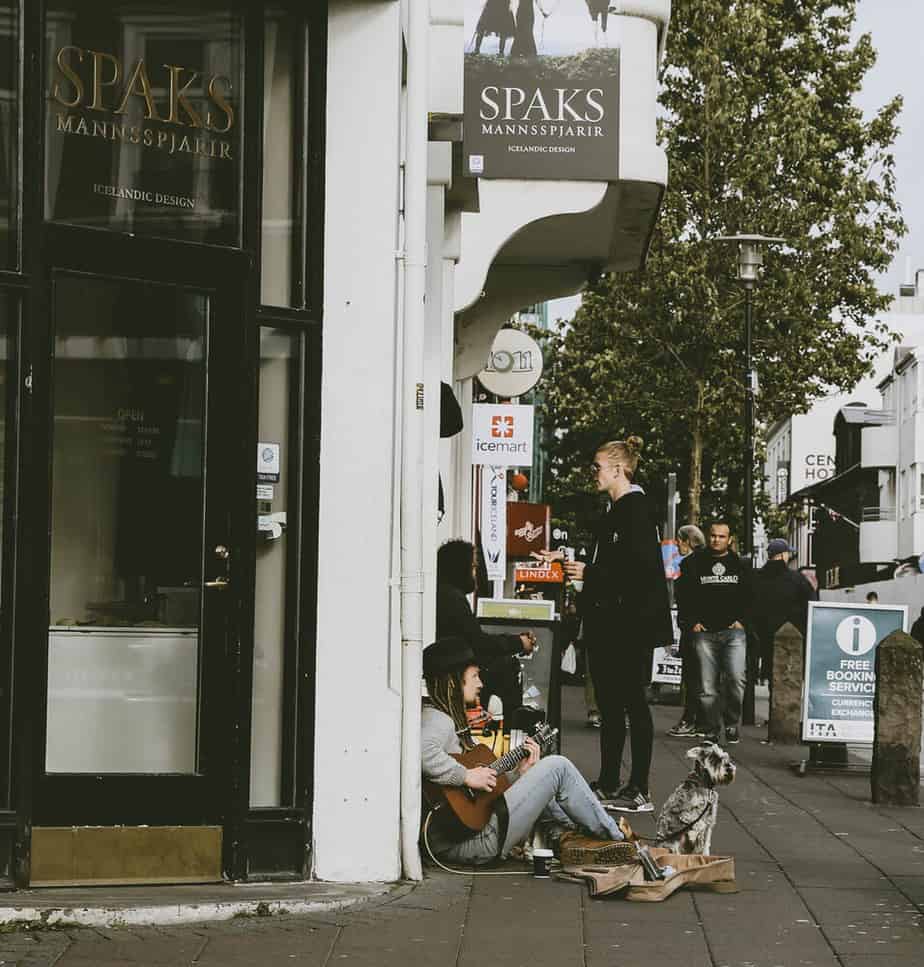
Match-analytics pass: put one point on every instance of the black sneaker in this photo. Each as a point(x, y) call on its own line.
point(632, 800)
point(732, 737)
point(606, 796)
point(682, 730)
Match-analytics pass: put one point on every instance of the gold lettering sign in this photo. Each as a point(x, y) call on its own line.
point(98, 81)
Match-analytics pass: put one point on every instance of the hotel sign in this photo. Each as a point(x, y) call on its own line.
point(541, 96)
point(141, 146)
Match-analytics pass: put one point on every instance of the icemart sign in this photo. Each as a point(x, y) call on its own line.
point(502, 434)
point(840, 668)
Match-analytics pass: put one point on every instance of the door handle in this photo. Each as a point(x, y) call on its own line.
point(219, 583)
point(222, 581)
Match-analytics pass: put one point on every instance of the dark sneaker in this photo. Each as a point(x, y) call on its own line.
point(631, 800)
point(594, 721)
point(606, 796)
point(732, 737)
point(682, 730)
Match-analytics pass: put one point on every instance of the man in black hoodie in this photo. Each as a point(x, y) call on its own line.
point(780, 595)
point(713, 601)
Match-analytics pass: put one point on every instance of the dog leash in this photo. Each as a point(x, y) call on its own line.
point(676, 832)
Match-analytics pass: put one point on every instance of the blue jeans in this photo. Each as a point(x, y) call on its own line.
point(721, 655)
point(552, 791)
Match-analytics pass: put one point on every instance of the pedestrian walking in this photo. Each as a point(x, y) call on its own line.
point(780, 594)
point(690, 540)
point(626, 613)
point(713, 597)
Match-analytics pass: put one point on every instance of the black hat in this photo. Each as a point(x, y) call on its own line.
point(446, 655)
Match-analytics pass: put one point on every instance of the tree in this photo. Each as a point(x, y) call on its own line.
point(762, 136)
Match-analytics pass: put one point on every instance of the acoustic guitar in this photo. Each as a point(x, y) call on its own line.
point(469, 810)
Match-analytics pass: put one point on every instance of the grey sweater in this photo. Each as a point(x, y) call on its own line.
point(437, 740)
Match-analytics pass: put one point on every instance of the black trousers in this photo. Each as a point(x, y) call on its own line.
point(620, 678)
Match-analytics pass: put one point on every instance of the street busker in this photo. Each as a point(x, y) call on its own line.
point(550, 791)
point(625, 609)
point(713, 595)
point(780, 595)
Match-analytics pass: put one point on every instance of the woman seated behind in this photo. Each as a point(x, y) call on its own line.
point(550, 790)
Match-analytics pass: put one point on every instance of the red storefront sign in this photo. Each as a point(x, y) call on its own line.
point(528, 528)
point(527, 573)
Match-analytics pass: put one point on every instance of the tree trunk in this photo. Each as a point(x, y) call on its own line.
point(696, 455)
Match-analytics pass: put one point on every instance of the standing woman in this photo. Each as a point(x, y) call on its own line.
point(626, 611)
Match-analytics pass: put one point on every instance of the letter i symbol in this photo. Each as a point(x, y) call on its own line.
point(855, 642)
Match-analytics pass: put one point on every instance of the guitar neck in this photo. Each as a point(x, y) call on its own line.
point(506, 762)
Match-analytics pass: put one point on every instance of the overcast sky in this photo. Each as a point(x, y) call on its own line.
point(897, 28)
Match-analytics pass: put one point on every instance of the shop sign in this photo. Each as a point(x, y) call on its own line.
point(502, 434)
point(666, 663)
point(527, 527)
point(535, 572)
point(494, 521)
point(135, 144)
point(541, 96)
point(840, 668)
point(514, 364)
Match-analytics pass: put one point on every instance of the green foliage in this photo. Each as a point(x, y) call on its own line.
point(762, 136)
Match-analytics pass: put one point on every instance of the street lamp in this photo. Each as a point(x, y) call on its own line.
point(750, 263)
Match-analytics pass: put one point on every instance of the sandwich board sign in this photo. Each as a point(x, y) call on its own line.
point(840, 668)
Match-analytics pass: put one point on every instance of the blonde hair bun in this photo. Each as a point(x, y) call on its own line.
point(634, 444)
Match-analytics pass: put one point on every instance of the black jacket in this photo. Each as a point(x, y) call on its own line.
point(454, 617)
point(780, 595)
point(713, 591)
point(625, 599)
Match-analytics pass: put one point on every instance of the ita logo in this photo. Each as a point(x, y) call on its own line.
point(855, 635)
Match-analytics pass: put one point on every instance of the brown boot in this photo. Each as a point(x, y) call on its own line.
point(576, 849)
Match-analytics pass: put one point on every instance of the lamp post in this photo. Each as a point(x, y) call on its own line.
point(750, 263)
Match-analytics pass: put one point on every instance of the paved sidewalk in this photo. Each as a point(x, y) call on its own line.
point(826, 880)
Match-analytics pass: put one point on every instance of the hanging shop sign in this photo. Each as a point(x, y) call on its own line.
point(502, 434)
point(145, 144)
point(514, 364)
point(541, 93)
point(840, 668)
point(527, 527)
point(494, 521)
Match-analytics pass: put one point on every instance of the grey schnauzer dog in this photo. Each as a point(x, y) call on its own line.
point(688, 816)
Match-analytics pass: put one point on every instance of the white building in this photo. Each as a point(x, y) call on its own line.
point(801, 450)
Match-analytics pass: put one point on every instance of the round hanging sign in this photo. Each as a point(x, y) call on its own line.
point(514, 364)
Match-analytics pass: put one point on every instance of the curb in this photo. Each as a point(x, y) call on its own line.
point(178, 914)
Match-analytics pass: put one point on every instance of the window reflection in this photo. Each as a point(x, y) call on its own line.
point(144, 114)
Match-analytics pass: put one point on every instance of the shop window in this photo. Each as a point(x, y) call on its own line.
point(276, 591)
point(9, 131)
point(286, 96)
point(144, 117)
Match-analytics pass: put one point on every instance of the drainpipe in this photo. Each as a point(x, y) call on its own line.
point(412, 429)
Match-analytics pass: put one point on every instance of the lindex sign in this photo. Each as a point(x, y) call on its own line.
point(502, 434)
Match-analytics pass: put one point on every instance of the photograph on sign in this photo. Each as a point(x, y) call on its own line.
point(514, 364)
point(840, 668)
point(541, 94)
point(502, 434)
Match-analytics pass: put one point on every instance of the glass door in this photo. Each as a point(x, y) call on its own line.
point(146, 448)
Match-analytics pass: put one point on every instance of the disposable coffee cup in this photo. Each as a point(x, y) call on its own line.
point(542, 861)
point(578, 586)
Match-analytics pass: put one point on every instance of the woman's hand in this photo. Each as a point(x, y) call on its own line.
point(574, 570)
point(481, 778)
point(531, 759)
point(548, 555)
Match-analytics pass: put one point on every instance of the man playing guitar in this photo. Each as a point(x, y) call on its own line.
point(549, 790)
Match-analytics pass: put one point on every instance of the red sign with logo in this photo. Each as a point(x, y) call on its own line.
point(525, 572)
point(528, 528)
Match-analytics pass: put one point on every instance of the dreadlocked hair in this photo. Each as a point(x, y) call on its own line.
point(445, 692)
